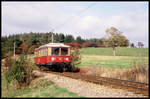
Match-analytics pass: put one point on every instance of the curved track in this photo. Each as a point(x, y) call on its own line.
point(132, 86)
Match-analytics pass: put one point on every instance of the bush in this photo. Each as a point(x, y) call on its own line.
point(6, 54)
point(8, 61)
point(75, 60)
point(21, 71)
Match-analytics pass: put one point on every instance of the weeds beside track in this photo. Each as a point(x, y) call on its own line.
point(132, 86)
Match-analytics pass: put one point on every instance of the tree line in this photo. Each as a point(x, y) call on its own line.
point(27, 42)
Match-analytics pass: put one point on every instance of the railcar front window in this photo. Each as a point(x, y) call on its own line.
point(64, 51)
point(55, 51)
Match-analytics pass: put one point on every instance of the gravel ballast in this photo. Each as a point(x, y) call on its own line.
point(83, 88)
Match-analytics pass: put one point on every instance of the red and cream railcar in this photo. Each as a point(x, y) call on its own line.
point(53, 55)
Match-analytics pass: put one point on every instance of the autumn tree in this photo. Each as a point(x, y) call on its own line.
point(98, 44)
point(116, 39)
point(105, 42)
point(87, 44)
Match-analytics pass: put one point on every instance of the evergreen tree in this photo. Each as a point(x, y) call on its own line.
point(69, 39)
point(79, 40)
point(61, 37)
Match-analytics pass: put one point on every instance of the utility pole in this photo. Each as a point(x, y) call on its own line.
point(52, 38)
point(14, 49)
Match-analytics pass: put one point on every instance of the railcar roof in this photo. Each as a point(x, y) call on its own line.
point(53, 45)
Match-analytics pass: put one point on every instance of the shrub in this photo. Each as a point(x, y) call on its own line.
point(6, 54)
point(21, 71)
point(8, 61)
point(75, 60)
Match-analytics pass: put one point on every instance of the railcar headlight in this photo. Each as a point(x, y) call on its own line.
point(67, 59)
point(53, 58)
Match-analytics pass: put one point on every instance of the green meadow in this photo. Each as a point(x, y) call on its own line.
point(119, 51)
point(125, 57)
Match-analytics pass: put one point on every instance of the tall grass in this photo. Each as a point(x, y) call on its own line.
point(139, 71)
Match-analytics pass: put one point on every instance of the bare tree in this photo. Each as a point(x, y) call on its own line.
point(140, 44)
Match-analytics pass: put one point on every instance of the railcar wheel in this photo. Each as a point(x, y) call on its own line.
point(69, 68)
point(60, 68)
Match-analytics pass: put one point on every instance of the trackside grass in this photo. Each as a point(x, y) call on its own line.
point(38, 88)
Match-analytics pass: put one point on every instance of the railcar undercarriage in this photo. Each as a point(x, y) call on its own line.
point(56, 66)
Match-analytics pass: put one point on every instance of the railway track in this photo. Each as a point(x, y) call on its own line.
point(132, 86)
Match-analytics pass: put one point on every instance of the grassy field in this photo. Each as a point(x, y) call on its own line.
point(119, 51)
point(104, 57)
point(38, 88)
point(110, 61)
point(129, 64)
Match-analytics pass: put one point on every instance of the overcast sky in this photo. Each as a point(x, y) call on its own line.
point(85, 19)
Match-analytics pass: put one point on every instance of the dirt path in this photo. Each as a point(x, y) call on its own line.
point(83, 88)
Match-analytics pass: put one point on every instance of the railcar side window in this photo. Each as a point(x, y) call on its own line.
point(55, 51)
point(64, 51)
